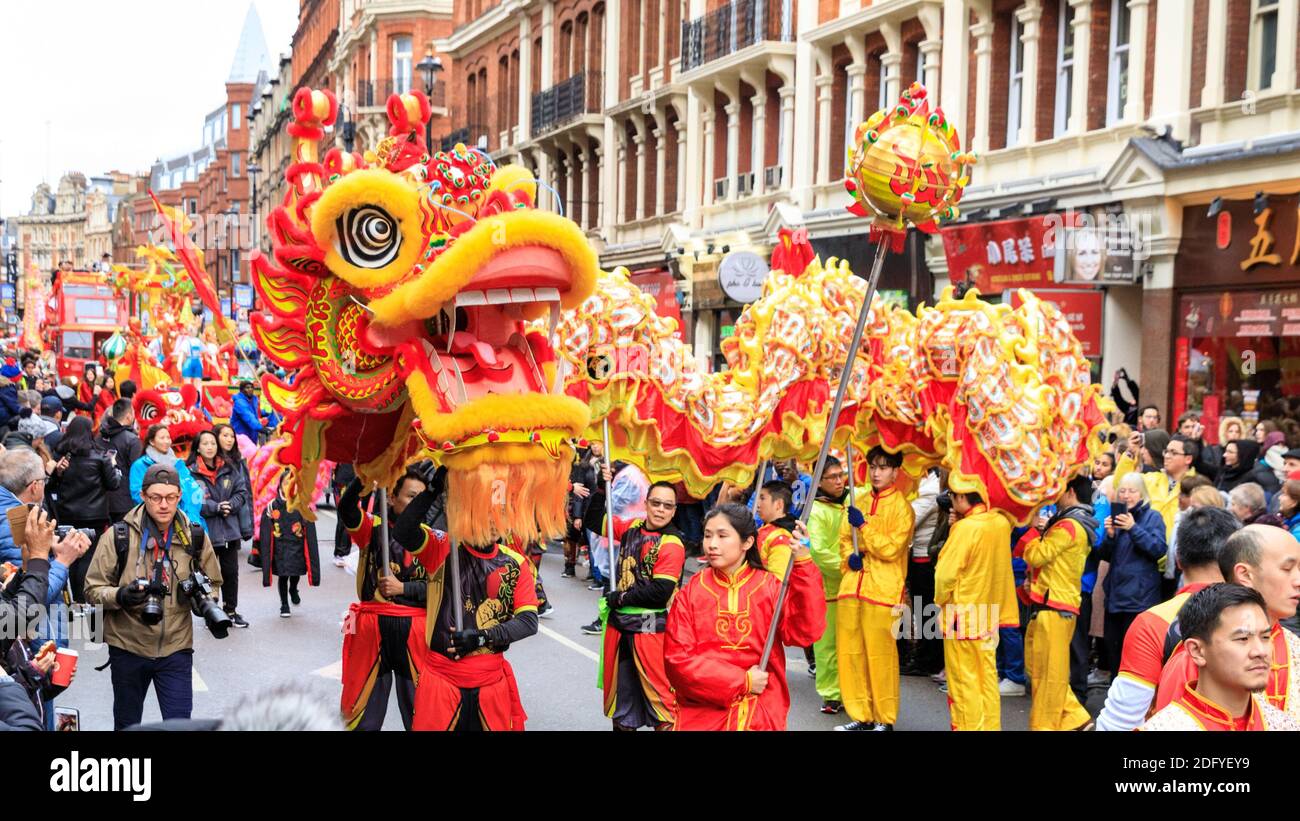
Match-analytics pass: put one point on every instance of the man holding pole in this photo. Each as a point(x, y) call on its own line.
point(384, 631)
point(875, 566)
point(974, 586)
point(828, 530)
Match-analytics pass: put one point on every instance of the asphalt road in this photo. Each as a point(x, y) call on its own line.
point(556, 669)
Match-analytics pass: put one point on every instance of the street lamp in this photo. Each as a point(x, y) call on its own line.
point(429, 67)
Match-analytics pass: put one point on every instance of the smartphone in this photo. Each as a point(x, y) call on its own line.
point(1117, 509)
point(67, 719)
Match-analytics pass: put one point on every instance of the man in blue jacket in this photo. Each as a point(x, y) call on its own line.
point(246, 417)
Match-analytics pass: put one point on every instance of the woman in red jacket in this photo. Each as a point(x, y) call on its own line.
point(107, 396)
point(719, 622)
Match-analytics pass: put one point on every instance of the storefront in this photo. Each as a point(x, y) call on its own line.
point(904, 278)
point(1078, 261)
point(1237, 310)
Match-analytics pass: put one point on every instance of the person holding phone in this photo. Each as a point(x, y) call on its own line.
point(1134, 544)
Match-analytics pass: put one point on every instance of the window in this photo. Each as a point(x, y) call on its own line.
point(234, 117)
point(1016, 84)
point(78, 344)
point(1064, 67)
point(234, 165)
point(850, 124)
point(234, 265)
point(1117, 93)
point(1263, 44)
point(401, 65)
point(883, 101)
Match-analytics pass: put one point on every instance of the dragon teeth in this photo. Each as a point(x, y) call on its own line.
point(521, 295)
point(546, 294)
point(471, 298)
point(498, 297)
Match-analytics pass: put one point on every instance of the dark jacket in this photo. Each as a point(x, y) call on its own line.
point(224, 484)
point(287, 543)
point(17, 711)
point(245, 512)
point(246, 417)
point(126, 444)
point(8, 402)
point(1133, 583)
point(83, 488)
point(1247, 469)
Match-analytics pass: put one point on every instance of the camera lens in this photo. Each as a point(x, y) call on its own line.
point(153, 611)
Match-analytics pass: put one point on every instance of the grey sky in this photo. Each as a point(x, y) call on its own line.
point(121, 82)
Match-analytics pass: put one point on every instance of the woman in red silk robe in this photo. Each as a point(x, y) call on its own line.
point(719, 622)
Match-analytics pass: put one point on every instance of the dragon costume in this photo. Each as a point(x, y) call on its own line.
point(427, 308)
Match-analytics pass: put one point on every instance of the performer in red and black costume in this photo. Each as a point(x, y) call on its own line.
point(386, 637)
point(465, 682)
point(650, 560)
point(719, 622)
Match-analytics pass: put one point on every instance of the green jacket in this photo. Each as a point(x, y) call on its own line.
point(123, 628)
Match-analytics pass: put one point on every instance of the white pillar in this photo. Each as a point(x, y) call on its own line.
point(661, 168)
point(622, 180)
point(571, 206)
point(546, 76)
point(611, 166)
point(1284, 72)
point(602, 193)
point(787, 136)
point(709, 153)
point(892, 61)
point(930, 57)
point(1082, 45)
point(1171, 80)
point(682, 163)
point(1215, 53)
point(693, 130)
point(374, 69)
point(983, 34)
point(857, 91)
point(953, 71)
point(639, 140)
point(802, 166)
point(824, 84)
point(758, 140)
point(581, 175)
point(525, 76)
point(733, 147)
point(1030, 16)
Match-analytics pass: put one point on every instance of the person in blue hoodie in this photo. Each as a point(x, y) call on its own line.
point(158, 450)
point(245, 416)
point(1135, 543)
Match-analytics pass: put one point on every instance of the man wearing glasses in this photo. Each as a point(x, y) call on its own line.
point(143, 647)
point(650, 560)
point(1162, 486)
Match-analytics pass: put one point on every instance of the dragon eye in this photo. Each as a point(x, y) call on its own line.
point(368, 237)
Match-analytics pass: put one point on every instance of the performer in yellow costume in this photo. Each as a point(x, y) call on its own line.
point(871, 586)
point(1055, 562)
point(974, 586)
point(828, 531)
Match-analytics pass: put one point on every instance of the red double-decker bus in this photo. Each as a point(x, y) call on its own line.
point(84, 312)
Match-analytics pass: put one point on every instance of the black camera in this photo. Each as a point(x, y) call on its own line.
point(199, 590)
point(944, 500)
point(62, 531)
point(155, 592)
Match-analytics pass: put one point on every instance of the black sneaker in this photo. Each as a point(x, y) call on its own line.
point(595, 586)
point(284, 611)
point(857, 726)
point(882, 728)
point(831, 708)
point(236, 619)
point(568, 573)
point(593, 629)
point(293, 597)
point(812, 670)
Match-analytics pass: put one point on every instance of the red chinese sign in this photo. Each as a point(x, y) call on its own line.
point(1082, 309)
point(998, 256)
point(659, 285)
point(1240, 314)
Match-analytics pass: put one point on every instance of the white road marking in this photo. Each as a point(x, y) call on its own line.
point(200, 686)
point(331, 671)
point(567, 642)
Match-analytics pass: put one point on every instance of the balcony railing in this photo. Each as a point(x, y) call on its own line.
point(737, 25)
point(560, 104)
point(468, 128)
point(372, 94)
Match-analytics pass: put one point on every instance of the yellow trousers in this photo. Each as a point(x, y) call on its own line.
point(868, 659)
point(972, 669)
point(1047, 661)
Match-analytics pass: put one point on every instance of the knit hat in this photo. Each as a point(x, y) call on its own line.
point(10, 369)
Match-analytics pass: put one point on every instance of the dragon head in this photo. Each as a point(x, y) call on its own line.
point(408, 297)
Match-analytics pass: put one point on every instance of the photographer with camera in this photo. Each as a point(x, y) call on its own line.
point(150, 572)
